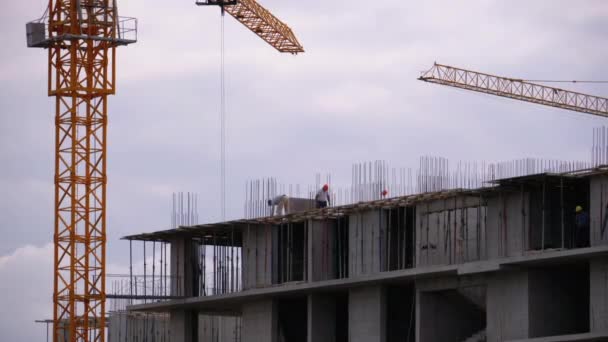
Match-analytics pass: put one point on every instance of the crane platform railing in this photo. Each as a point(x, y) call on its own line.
point(39, 36)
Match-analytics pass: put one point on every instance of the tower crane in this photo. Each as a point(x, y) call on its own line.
point(81, 37)
point(516, 89)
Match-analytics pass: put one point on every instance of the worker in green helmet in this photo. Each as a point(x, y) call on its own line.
point(581, 231)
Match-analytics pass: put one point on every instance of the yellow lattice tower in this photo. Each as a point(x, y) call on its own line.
point(81, 38)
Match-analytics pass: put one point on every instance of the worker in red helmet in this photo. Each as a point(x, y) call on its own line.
point(322, 197)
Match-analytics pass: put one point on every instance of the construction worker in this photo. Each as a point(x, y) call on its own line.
point(279, 205)
point(322, 197)
point(384, 193)
point(581, 223)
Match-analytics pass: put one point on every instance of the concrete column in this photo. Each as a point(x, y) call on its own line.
point(184, 273)
point(507, 306)
point(507, 227)
point(598, 274)
point(366, 314)
point(260, 321)
point(257, 259)
point(183, 326)
point(598, 210)
point(321, 318)
point(320, 250)
point(367, 242)
point(184, 268)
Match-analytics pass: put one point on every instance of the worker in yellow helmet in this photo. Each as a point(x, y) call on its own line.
point(581, 232)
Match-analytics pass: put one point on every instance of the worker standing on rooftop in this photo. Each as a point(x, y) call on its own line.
point(279, 205)
point(322, 197)
point(581, 223)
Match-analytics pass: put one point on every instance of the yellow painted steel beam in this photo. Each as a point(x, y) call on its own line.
point(516, 89)
point(268, 27)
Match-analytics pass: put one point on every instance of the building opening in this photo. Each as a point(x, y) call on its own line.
point(292, 319)
point(340, 248)
point(341, 316)
point(553, 202)
point(460, 314)
point(400, 238)
point(290, 246)
point(559, 300)
point(401, 313)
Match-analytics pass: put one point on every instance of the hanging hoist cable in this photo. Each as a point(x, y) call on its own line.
point(565, 81)
point(222, 122)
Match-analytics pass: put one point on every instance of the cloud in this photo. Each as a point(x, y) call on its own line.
point(26, 292)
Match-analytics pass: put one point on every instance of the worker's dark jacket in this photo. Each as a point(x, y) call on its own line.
point(582, 229)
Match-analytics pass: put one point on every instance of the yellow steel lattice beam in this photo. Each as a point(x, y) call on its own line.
point(268, 27)
point(516, 89)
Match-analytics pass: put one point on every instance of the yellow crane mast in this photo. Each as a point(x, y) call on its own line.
point(516, 89)
point(81, 37)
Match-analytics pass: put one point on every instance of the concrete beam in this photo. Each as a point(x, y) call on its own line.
point(232, 301)
point(586, 337)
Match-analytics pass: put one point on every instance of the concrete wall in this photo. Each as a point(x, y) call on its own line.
point(260, 321)
point(598, 210)
point(448, 231)
point(132, 327)
point(300, 204)
point(219, 328)
point(321, 318)
point(507, 228)
point(367, 242)
point(257, 256)
point(507, 306)
point(366, 315)
point(321, 235)
point(598, 311)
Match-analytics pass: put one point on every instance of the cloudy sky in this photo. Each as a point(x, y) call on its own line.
point(352, 97)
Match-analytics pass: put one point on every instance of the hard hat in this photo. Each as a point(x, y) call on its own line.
point(578, 209)
point(325, 187)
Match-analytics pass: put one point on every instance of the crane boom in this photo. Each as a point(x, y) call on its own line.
point(261, 22)
point(516, 89)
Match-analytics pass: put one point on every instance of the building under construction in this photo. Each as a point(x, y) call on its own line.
point(505, 262)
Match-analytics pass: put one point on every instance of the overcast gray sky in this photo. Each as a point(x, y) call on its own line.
point(353, 96)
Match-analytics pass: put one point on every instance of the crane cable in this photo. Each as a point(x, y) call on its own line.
point(565, 81)
point(222, 122)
